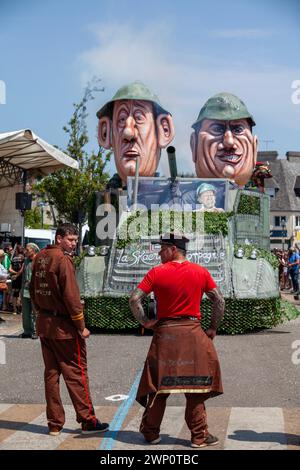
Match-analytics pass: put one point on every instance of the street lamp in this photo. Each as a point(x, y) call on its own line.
point(42, 204)
point(283, 227)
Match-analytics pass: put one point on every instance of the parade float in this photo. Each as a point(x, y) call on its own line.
point(225, 218)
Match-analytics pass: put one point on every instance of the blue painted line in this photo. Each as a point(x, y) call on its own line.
point(117, 421)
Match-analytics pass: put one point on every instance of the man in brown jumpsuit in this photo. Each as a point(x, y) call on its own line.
point(61, 328)
point(181, 358)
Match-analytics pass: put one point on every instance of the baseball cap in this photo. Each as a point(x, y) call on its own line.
point(174, 238)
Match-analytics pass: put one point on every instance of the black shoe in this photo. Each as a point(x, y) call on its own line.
point(34, 337)
point(89, 428)
point(209, 441)
point(24, 335)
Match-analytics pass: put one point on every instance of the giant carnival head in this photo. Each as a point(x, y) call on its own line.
point(136, 127)
point(222, 143)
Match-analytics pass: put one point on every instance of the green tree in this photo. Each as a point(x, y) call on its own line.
point(33, 218)
point(71, 191)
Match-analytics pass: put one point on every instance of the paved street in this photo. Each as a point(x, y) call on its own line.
point(260, 407)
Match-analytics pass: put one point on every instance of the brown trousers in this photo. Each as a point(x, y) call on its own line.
point(66, 357)
point(195, 416)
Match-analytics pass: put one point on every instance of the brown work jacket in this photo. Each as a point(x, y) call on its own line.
point(55, 295)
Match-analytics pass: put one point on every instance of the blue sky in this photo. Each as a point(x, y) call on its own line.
point(184, 50)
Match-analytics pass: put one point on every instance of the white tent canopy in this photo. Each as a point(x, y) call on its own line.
point(24, 151)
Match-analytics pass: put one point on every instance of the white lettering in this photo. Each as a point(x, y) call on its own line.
point(296, 94)
point(2, 352)
point(106, 227)
point(2, 92)
point(296, 354)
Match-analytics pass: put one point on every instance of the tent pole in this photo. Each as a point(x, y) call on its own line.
point(23, 211)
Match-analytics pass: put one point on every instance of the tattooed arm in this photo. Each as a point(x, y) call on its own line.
point(135, 303)
point(217, 311)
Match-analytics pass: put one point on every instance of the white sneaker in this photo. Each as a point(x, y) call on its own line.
point(54, 432)
point(155, 441)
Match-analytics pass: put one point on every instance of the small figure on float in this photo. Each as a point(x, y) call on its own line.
point(222, 143)
point(260, 173)
point(136, 127)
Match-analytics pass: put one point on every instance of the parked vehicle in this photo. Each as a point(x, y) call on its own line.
point(41, 237)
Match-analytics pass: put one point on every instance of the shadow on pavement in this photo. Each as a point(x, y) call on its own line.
point(253, 436)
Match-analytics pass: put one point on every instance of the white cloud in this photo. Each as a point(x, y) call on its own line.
point(185, 78)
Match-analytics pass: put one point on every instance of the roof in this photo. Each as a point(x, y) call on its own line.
point(285, 174)
point(24, 150)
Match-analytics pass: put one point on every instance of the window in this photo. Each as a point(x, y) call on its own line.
point(279, 219)
point(297, 220)
point(297, 186)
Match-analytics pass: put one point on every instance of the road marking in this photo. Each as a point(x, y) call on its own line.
point(24, 426)
point(34, 435)
point(118, 419)
point(256, 429)
point(116, 397)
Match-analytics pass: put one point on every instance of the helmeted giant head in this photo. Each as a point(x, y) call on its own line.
point(136, 127)
point(222, 142)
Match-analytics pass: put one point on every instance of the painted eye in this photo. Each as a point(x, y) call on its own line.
point(238, 129)
point(217, 129)
point(122, 118)
point(121, 121)
point(139, 117)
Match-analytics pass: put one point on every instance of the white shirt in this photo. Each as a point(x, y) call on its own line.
point(3, 273)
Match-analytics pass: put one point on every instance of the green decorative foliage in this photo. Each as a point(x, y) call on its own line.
point(249, 205)
point(77, 259)
point(217, 222)
point(289, 311)
point(214, 223)
point(241, 316)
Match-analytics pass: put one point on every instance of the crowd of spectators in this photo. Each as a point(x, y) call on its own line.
point(289, 264)
point(15, 273)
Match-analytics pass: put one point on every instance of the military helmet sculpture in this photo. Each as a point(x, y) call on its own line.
point(135, 125)
point(225, 107)
point(222, 142)
point(205, 187)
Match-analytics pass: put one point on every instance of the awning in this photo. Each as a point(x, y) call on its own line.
point(24, 151)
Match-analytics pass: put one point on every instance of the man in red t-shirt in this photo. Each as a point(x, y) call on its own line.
point(181, 357)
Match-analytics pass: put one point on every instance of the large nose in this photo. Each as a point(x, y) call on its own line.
point(129, 132)
point(228, 140)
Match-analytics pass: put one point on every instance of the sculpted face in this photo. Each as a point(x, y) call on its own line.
point(208, 199)
point(224, 149)
point(134, 137)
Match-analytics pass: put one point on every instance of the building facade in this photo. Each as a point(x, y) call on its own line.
point(284, 189)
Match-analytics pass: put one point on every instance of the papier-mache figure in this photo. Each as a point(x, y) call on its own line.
point(222, 143)
point(260, 173)
point(136, 127)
